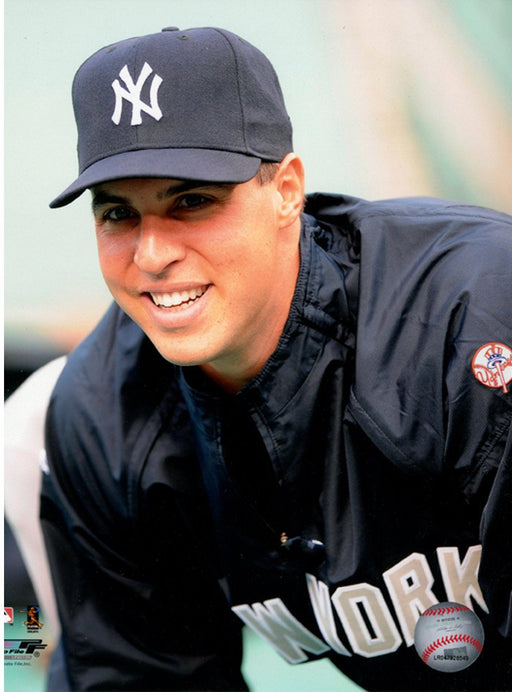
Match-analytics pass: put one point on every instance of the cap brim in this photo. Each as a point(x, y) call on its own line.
point(179, 164)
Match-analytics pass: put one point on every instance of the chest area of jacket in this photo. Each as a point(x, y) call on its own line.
point(393, 546)
point(309, 617)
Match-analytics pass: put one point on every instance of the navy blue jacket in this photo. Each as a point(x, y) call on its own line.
point(363, 475)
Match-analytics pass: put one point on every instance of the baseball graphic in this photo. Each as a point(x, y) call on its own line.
point(449, 637)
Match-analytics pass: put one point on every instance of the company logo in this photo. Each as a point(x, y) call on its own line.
point(8, 616)
point(132, 94)
point(32, 622)
point(492, 365)
point(22, 649)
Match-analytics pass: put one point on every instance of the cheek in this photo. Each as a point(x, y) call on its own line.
point(250, 274)
point(113, 255)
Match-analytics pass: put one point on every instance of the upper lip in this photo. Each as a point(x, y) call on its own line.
point(174, 295)
point(173, 287)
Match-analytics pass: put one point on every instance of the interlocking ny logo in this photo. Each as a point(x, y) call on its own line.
point(132, 94)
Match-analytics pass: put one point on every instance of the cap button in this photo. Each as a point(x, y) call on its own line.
point(171, 28)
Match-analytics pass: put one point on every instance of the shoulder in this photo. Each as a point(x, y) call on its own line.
point(332, 206)
point(91, 363)
point(414, 241)
point(434, 286)
point(113, 361)
point(440, 240)
point(106, 411)
point(437, 228)
point(111, 396)
point(427, 208)
point(425, 266)
point(398, 218)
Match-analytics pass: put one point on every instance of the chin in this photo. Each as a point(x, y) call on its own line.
point(182, 357)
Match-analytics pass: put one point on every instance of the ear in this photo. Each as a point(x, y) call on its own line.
point(289, 182)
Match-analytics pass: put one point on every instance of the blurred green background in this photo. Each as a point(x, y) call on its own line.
point(388, 98)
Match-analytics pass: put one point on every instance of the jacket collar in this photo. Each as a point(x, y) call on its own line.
point(321, 313)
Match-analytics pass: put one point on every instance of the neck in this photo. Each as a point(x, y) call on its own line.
point(229, 383)
point(235, 370)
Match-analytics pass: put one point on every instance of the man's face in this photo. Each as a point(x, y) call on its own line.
point(206, 270)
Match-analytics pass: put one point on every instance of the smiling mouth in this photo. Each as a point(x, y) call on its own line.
point(178, 299)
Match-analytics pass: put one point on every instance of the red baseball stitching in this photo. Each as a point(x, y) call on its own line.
point(452, 639)
point(445, 611)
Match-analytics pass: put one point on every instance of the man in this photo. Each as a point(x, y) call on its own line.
point(296, 421)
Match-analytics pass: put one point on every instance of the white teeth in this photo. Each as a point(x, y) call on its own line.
point(171, 300)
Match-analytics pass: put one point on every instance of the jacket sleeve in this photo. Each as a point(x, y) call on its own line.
point(477, 387)
point(434, 370)
point(140, 605)
point(495, 574)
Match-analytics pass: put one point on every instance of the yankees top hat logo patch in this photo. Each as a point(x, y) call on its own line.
point(492, 365)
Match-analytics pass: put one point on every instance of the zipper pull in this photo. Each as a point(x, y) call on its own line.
point(298, 547)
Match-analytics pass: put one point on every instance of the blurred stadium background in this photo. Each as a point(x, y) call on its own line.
point(387, 97)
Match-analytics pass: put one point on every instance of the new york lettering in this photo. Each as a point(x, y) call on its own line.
point(368, 624)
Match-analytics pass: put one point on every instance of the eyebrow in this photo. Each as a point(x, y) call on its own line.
point(103, 197)
point(187, 185)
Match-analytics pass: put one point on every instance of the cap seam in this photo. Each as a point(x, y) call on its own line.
point(237, 70)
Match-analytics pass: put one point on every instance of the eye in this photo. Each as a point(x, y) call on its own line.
point(192, 200)
point(118, 214)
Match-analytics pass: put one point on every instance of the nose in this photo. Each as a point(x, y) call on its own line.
point(159, 245)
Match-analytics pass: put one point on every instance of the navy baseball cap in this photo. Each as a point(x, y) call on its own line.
point(201, 104)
